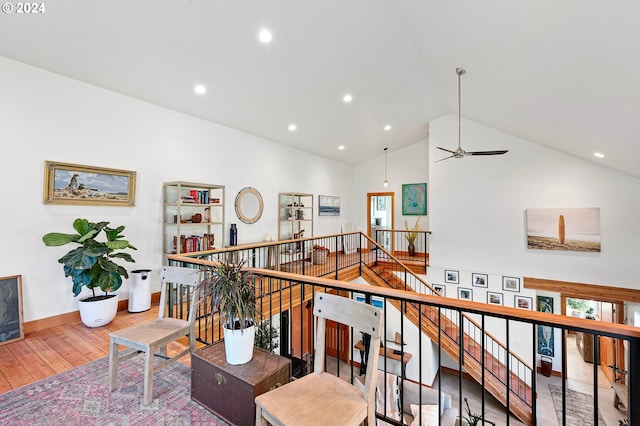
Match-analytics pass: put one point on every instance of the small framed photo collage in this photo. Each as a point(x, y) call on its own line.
point(465, 289)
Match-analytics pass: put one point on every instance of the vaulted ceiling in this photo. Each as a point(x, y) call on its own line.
point(565, 74)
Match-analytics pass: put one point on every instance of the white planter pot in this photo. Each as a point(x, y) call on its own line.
point(238, 345)
point(98, 313)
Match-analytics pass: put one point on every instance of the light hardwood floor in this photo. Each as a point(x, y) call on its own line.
point(58, 349)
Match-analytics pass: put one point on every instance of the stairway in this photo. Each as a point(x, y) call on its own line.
point(437, 325)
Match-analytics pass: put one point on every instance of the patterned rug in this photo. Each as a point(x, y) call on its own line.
point(81, 397)
point(579, 407)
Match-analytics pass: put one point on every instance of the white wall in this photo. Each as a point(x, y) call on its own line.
point(478, 208)
point(478, 205)
point(46, 116)
point(405, 165)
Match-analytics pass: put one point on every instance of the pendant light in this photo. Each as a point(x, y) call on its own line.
point(386, 182)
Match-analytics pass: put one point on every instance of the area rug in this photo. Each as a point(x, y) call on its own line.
point(81, 397)
point(579, 407)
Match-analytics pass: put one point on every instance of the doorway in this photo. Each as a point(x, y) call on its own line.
point(380, 217)
point(612, 353)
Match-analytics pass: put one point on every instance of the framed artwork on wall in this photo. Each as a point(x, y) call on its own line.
point(494, 298)
point(328, 205)
point(450, 276)
point(523, 302)
point(414, 199)
point(381, 204)
point(564, 229)
point(545, 333)
point(11, 326)
point(511, 283)
point(480, 280)
point(66, 183)
point(465, 293)
point(440, 289)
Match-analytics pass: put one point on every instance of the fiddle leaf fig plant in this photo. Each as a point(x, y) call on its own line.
point(91, 263)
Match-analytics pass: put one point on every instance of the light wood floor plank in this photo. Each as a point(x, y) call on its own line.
point(16, 374)
point(35, 365)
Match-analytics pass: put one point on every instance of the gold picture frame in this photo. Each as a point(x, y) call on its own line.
point(66, 183)
point(11, 322)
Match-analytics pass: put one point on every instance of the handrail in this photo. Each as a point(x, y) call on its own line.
point(425, 283)
point(540, 318)
point(438, 304)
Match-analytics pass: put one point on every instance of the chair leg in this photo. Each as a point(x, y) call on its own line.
point(148, 377)
point(260, 421)
point(113, 365)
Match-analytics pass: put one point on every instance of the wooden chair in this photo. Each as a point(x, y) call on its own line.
point(152, 337)
point(320, 398)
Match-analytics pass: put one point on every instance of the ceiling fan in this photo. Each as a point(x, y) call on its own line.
point(459, 153)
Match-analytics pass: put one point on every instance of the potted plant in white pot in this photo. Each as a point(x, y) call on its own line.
point(90, 265)
point(231, 290)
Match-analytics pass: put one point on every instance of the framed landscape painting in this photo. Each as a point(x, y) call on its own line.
point(564, 229)
point(66, 183)
point(414, 199)
point(328, 205)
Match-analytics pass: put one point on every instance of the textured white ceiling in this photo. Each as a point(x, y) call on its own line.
point(562, 74)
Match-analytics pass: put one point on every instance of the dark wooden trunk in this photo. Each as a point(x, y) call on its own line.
point(229, 390)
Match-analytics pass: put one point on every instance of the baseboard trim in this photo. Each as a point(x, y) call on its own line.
point(57, 320)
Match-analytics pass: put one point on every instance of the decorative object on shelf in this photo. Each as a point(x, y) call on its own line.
point(90, 265)
point(233, 235)
point(411, 235)
point(328, 205)
point(196, 218)
point(230, 290)
point(450, 276)
point(207, 214)
point(66, 183)
point(511, 283)
point(249, 205)
point(11, 325)
point(414, 199)
point(479, 280)
point(564, 229)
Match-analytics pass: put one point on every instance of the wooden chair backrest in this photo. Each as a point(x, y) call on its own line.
point(363, 318)
point(179, 275)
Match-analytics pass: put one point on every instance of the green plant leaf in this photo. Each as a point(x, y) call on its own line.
point(117, 244)
point(95, 248)
point(54, 239)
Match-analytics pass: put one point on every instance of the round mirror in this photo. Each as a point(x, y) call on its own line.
point(249, 205)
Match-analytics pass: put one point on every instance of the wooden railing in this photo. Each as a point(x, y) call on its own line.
point(282, 291)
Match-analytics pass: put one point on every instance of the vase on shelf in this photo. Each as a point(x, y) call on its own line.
point(412, 249)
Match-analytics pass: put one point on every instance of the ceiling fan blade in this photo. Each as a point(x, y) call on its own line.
point(444, 149)
point(445, 158)
point(486, 152)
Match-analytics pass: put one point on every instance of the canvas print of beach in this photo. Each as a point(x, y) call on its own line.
point(328, 205)
point(566, 229)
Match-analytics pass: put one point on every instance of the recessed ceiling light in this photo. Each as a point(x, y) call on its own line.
point(265, 35)
point(347, 98)
point(292, 127)
point(598, 154)
point(341, 147)
point(387, 127)
point(200, 89)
